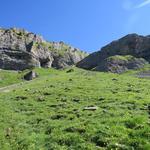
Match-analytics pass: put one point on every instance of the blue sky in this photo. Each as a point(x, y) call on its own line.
point(86, 24)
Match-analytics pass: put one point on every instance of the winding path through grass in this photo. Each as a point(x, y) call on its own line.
point(10, 87)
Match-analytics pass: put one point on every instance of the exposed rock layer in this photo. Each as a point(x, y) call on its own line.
point(132, 44)
point(20, 50)
point(120, 64)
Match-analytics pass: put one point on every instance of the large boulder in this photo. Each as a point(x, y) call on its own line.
point(30, 75)
point(20, 49)
point(132, 44)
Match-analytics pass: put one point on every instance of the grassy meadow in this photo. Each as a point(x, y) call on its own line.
point(48, 113)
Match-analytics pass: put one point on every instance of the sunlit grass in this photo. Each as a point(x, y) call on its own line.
point(48, 112)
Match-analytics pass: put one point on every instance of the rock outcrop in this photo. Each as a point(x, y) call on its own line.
point(20, 49)
point(120, 64)
point(132, 44)
point(30, 75)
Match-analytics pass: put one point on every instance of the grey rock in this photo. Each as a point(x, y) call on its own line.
point(120, 64)
point(143, 74)
point(30, 75)
point(65, 55)
point(91, 108)
point(132, 44)
point(20, 49)
point(70, 70)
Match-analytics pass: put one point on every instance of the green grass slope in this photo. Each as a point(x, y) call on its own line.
point(9, 77)
point(48, 112)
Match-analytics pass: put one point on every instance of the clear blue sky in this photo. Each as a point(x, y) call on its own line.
point(86, 24)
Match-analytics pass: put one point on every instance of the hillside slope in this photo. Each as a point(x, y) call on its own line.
point(53, 112)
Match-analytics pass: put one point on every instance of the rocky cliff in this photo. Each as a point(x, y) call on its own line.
point(20, 49)
point(132, 44)
point(120, 64)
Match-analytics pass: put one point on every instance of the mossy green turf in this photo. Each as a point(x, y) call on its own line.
point(123, 58)
point(48, 112)
point(9, 77)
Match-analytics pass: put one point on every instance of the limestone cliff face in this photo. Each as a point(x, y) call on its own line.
point(20, 49)
point(132, 44)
